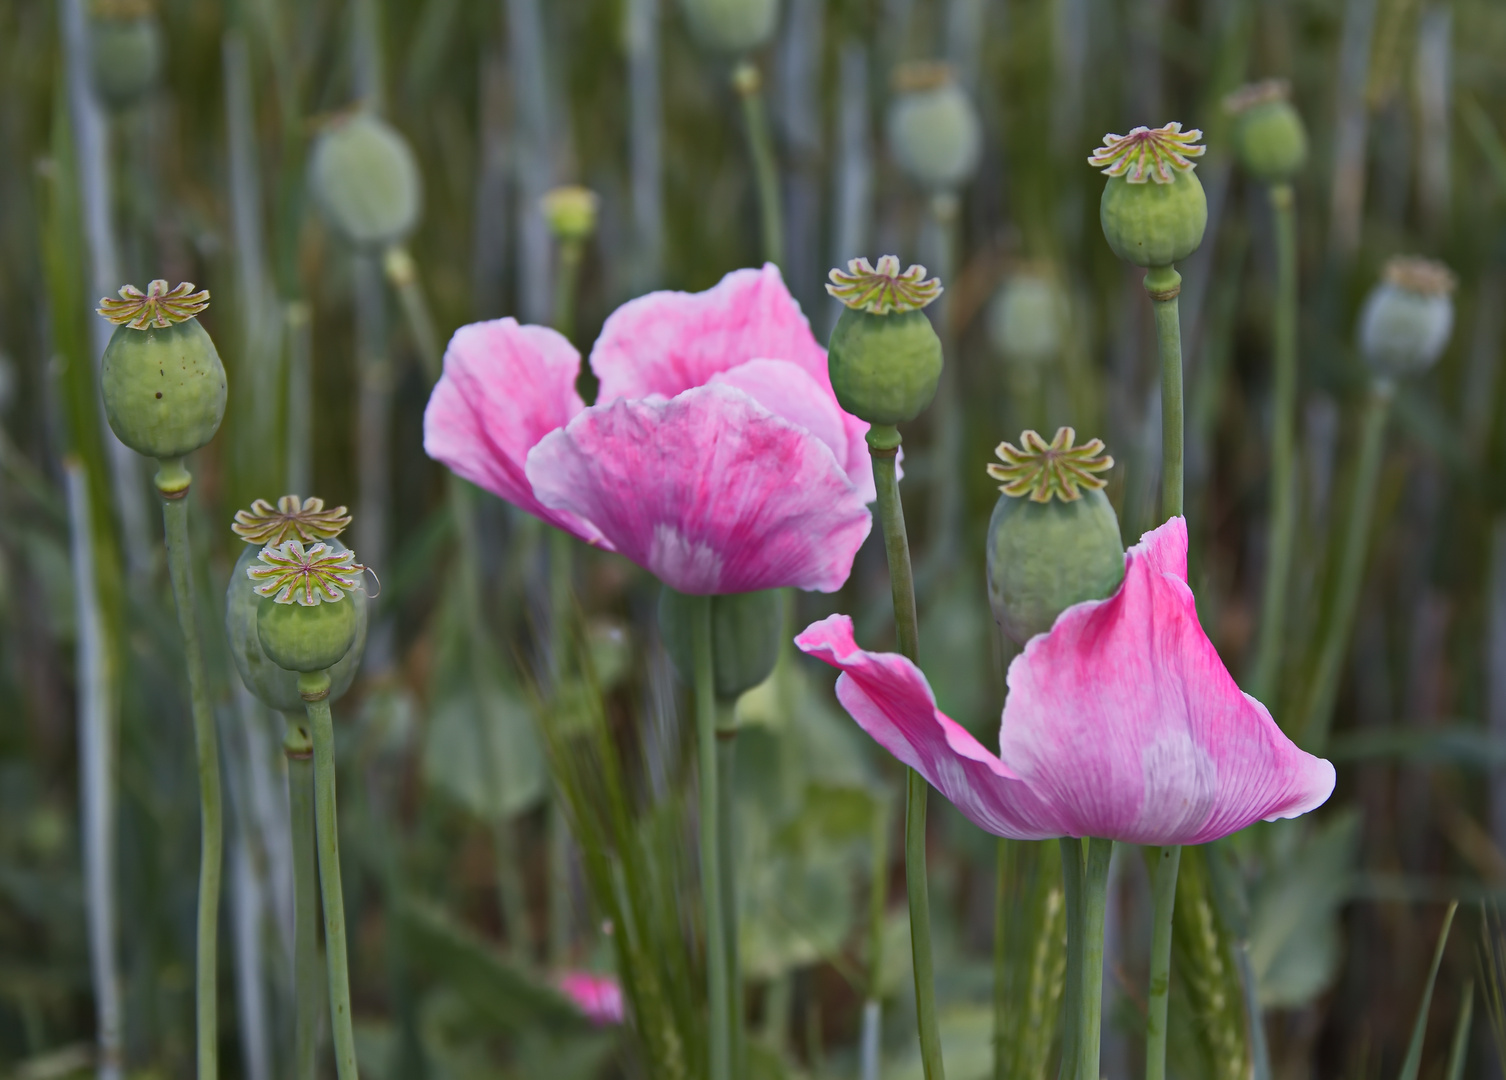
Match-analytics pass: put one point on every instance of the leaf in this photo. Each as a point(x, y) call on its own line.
point(1413, 1061)
point(1459, 1051)
point(488, 758)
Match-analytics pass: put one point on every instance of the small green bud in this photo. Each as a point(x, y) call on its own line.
point(161, 377)
point(1152, 223)
point(731, 26)
point(366, 178)
point(1408, 317)
point(125, 51)
point(1027, 318)
point(933, 127)
point(306, 620)
point(884, 357)
point(571, 212)
point(1053, 540)
point(1269, 135)
point(745, 632)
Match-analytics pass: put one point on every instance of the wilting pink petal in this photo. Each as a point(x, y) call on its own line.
point(504, 388)
point(668, 342)
point(1125, 718)
point(709, 491)
point(1121, 722)
point(597, 996)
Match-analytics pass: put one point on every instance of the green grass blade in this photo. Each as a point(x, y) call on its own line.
point(1413, 1061)
point(1459, 1052)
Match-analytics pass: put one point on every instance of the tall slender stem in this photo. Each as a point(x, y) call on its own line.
point(1001, 960)
point(308, 988)
point(1164, 286)
point(561, 604)
point(566, 278)
point(748, 83)
point(884, 442)
point(402, 274)
point(1283, 524)
point(1351, 570)
point(1071, 848)
point(1095, 894)
point(726, 835)
point(172, 482)
point(1164, 894)
point(328, 833)
point(718, 1002)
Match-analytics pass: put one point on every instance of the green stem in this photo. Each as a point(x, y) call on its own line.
point(1351, 570)
point(1283, 525)
point(566, 282)
point(1001, 960)
point(308, 989)
point(870, 1046)
point(402, 273)
point(1164, 284)
point(726, 835)
point(1095, 895)
point(883, 442)
point(327, 829)
point(718, 999)
point(561, 603)
point(172, 483)
point(1071, 848)
point(1164, 893)
point(749, 85)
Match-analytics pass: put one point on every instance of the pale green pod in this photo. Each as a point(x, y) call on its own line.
point(884, 368)
point(934, 131)
point(745, 633)
point(125, 57)
point(1154, 224)
point(366, 179)
point(731, 26)
point(164, 388)
point(1028, 318)
point(1408, 317)
point(1271, 141)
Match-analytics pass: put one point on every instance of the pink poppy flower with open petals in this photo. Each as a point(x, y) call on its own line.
point(1121, 723)
point(715, 457)
point(597, 996)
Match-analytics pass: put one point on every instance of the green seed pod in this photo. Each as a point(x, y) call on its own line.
point(1027, 318)
point(933, 127)
point(731, 26)
point(1053, 540)
point(276, 686)
point(745, 634)
point(1153, 209)
point(366, 179)
point(1269, 135)
point(1408, 317)
point(125, 52)
point(306, 617)
point(884, 357)
point(161, 377)
point(306, 639)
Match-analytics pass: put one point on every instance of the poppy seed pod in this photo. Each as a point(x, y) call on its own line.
point(884, 357)
point(125, 51)
point(1153, 209)
point(161, 377)
point(571, 212)
point(306, 639)
point(1407, 318)
point(366, 179)
point(306, 619)
point(1269, 135)
point(731, 26)
point(1027, 318)
point(745, 635)
point(1053, 540)
point(933, 128)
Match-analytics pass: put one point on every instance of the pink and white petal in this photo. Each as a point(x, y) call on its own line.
point(708, 490)
point(787, 391)
point(504, 388)
point(892, 701)
point(598, 997)
point(1124, 718)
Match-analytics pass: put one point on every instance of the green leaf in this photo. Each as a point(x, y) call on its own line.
point(486, 757)
point(1459, 1051)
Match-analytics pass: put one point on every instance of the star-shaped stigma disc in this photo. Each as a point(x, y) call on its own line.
point(1149, 154)
point(884, 290)
point(158, 307)
point(288, 573)
point(1043, 470)
point(305, 520)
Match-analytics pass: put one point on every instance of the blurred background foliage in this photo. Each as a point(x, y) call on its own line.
point(515, 771)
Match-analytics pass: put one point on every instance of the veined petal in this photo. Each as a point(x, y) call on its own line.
point(787, 391)
point(504, 388)
point(890, 699)
point(1125, 720)
point(708, 490)
point(668, 342)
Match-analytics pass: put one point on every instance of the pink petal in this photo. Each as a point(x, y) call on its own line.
point(504, 388)
point(785, 390)
point(709, 491)
point(891, 700)
point(1124, 718)
point(668, 342)
point(599, 997)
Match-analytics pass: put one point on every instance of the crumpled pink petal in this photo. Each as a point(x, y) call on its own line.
point(504, 388)
point(787, 391)
point(709, 491)
point(1121, 723)
point(599, 997)
point(668, 342)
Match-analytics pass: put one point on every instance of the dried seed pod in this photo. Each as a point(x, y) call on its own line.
point(366, 179)
point(934, 130)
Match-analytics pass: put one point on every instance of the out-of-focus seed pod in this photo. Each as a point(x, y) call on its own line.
point(1028, 318)
point(731, 26)
point(125, 51)
point(1407, 318)
point(571, 212)
point(934, 130)
point(161, 377)
point(1053, 540)
point(366, 179)
point(1153, 209)
point(1269, 135)
point(884, 357)
point(745, 635)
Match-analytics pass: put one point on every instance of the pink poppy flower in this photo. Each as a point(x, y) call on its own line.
point(597, 996)
point(716, 455)
point(1121, 722)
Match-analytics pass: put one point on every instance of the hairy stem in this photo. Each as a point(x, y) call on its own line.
point(308, 979)
point(1164, 893)
point(717, 995)
point(1164, 286)
point(1283, 524)
point(328, 831)
point(172, 482)
point(749, 85)
point(1095, 890)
